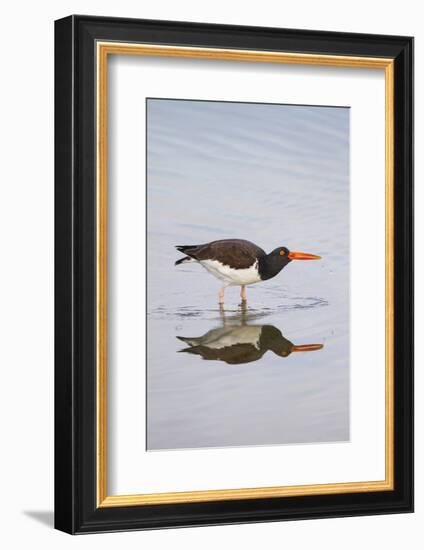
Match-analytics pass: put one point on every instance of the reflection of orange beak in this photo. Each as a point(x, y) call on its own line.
point(307, 347)
point(303, 256)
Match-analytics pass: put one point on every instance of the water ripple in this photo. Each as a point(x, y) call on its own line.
point(234, 312)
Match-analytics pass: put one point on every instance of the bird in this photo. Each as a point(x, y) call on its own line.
point(238, 344)
point(239, 262)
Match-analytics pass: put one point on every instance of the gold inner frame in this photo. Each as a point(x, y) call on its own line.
point(104, 49)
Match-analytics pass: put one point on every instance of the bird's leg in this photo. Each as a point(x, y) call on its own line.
point(243, 313)
point(221, 295)
point(243, 293)
point(222, 314)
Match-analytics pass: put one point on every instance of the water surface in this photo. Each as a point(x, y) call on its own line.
point(279, 176)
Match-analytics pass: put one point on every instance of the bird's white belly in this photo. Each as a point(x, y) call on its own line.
point(231, 276)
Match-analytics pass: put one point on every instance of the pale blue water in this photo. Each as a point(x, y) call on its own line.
point(279, 176)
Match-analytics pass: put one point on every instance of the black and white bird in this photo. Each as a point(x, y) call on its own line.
point(240, 262)
point(238, 344)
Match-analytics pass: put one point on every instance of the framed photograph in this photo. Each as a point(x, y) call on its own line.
point(233, 274)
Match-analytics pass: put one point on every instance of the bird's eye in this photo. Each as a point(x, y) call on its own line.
point(282, 252)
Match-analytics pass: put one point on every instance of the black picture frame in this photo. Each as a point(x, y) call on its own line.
point(76, 510)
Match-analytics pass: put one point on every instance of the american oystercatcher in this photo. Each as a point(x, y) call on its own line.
point(240, 262)
point(237, 344)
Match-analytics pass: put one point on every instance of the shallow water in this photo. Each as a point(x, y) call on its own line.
point(276, 175)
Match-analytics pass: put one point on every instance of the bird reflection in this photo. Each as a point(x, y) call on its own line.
point(240, 342)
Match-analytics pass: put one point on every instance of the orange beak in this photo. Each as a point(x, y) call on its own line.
point(302, 256)
point(307, 347)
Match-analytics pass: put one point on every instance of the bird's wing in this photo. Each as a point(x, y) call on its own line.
point(235, 253)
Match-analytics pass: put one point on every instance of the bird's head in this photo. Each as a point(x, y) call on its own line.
point(271, 264)
point(273, 339)
point(287, 255)
point(282, 256)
